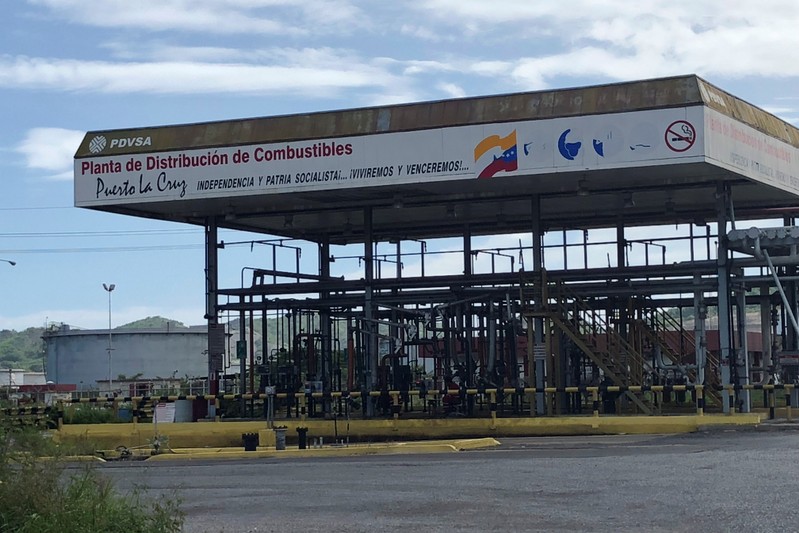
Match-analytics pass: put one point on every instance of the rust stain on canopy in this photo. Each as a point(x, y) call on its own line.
point(612, 98)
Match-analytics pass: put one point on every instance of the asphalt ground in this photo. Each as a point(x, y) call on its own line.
point(714, 480)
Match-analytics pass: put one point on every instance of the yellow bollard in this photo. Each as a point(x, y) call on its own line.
point(492, 398)
point(595, 399)
point(772, 401)
point(700, 400)
point(395, 403)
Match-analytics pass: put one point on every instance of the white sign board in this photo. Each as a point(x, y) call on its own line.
point(486, 151)
point(751, 153)
point(164, 413)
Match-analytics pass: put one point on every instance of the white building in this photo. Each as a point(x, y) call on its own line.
point(14, 377)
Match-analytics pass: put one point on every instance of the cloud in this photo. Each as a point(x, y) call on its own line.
point(188, 77)
point(51, 149)
point(512, 44)
point(451, 90)
point(98, 318)
point(263, 17)
point(629, 40)
point(157, 50)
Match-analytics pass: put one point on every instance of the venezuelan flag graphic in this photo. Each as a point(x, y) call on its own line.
point(507, 162)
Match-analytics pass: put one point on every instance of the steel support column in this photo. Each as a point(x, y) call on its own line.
point(538, 365)
point(621, 244)
point(467, 317)
point(700, 341)
point(325, 326)
point(241, 352)
point(211, 295)
point(371, 353)
point(742, 368)
point(766, 362)
point(467, 250)
point(726, 358)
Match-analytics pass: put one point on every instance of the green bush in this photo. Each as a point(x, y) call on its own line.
point(88, 414)
point(41, 496)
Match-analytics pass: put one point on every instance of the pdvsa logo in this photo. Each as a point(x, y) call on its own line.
point(130, 142)
point(506, 161)
point(97, 144)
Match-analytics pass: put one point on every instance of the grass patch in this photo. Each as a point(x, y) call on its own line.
point(43, 497)
point(88, 414)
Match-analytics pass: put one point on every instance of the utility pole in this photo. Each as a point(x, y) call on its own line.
point(109, 289)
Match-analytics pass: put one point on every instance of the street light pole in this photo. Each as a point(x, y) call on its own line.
point(109, 289)
point(12, 263)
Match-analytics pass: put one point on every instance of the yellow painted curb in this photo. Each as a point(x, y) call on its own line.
point(394, 448)
point(475, 444)
point(220, 435)
point(75, 459)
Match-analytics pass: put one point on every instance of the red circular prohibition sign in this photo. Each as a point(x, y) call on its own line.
point(680, 136)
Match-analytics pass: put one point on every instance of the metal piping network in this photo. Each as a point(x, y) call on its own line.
point(762, 253)
point(661, 363)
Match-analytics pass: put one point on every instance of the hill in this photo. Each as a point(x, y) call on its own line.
point(22, 349)
point(154, 322)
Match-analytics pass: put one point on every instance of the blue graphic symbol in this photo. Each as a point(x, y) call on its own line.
point(527, 148)
point(568, 150)
point(599, 148)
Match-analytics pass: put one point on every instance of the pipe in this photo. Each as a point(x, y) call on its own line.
point(658, 355)
point(492, 340)
point(350, 358)
point(785, 302)
point(252, 348)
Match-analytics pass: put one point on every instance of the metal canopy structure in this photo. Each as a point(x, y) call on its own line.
point(668, 182)
point(657, 152)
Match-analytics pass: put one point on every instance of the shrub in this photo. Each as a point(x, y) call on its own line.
point(40, 496)
point(88, 414)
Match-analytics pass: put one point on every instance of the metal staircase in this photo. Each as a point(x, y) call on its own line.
point(590, 331)
point(654, 326)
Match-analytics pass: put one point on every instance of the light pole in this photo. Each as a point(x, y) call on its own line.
point(109, 289)
point(12, 263)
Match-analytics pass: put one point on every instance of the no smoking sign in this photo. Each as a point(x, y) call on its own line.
point(680, 136)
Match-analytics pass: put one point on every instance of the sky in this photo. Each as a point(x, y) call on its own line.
point(71, 66)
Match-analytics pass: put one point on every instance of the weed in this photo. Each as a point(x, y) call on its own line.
point(42, 496)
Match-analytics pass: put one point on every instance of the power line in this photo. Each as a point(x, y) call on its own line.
point(38, 208)
point(108, 233)
point(120, 233)
point(106, 249)
point(167, 247)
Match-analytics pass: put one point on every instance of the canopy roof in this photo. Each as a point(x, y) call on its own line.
point(650, 151)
